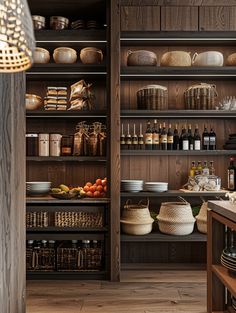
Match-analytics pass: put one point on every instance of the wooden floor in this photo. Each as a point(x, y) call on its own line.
point(138, 292)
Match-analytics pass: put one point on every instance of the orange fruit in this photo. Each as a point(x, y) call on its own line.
point(98, 181)
point(99, 188)
point(89, 184)
point(105, 188)
point(86, 188)
point(92, 188)
point(97, 194)
point(104, 182)
point(89, 194)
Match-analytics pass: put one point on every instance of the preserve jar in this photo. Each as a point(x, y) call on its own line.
point(67, 145)
point(43, 144)
point(32, 144)
point(55, 144)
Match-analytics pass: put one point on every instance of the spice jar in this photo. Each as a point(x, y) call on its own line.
point(38, 22)
point(67, 145)
point(55, 144)
point(58, 22)
point(43, 144)
point(32, 144)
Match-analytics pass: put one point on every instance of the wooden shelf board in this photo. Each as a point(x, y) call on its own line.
point(226, 279)
point(177, 152)
point(65, 114)
point(65, 229)
point(224, 208)
point(159, 237)
point(50, 200)
point(173, 193)
point(162, 266)
point(65, 236)
point(66, 159)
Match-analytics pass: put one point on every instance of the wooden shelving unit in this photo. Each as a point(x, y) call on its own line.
point(178, 152)
point(172, 193)
point(66, 159)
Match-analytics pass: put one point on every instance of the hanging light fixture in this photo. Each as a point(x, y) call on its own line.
point(17, 41)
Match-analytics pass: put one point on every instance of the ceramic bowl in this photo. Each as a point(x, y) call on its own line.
point(33, 102)
point(208, 58)
point(41, 56)
point(91, 55)
point(64, 55)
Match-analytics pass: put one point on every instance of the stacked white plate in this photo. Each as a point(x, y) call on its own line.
point(156, 186)
point(38, 188)
point(131, 185)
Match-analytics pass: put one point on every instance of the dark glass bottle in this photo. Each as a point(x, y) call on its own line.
point(205, 139)
point(170, 138)
point(148, 137)
point(185, 140)
point(181, 139)
point(231, 176)
point(155, 137)
point(190, 138)
point(197, 139)
point(176, 138)
point(212, 140)
point(163, 138)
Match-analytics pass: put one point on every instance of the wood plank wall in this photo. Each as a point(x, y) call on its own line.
point(12, 193)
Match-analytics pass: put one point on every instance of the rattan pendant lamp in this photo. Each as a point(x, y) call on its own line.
point(17, 41)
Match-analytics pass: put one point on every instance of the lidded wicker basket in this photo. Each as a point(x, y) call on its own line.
point(152, 97)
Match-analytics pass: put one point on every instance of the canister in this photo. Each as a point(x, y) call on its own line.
point(43, 144)
point(67, 145)
point(55, 144)
point(32, 144)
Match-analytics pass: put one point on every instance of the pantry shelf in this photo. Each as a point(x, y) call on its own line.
point(66, 159)
point(178, 152)
point(48, 200)
point(65, 236)
point(173, 193)
point(65, 229)
point(66, 114)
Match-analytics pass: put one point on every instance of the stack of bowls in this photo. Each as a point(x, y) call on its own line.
point(38, 188)
point(132, 185)
point(228, 259)
point(156, 186)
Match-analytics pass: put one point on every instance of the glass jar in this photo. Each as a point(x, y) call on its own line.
point(32, 144)
point(44, 145)
point(55, 144)
point(67, 145)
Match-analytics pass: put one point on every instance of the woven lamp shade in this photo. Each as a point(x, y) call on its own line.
point(17, 41)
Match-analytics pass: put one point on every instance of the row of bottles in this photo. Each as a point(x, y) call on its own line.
point(202, 169)
point(72, 255)
point(161, 138)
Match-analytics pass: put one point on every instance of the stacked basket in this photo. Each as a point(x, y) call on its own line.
point(202, 218)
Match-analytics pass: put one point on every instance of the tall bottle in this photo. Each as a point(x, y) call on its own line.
point(128, 139)
point(181, 139)
point(192, 171)
point(140, 138)
point(211, 168)
point(163, 138)
point(185, 140)
point(190, 138)
point(231, 176)
point(135, 140)
point(205, 139)
point(197, 139)
point(170, 139)
point(122, 138)
point(148, 137)
point(199, 168)
point(176, 138)
point(155, 137)
point(205, 169)
point(212, 140)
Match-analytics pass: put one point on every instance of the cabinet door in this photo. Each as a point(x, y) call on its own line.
point(217, 18)
point(177, 18)
point(145, 18)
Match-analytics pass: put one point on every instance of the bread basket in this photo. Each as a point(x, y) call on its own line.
point(141, 58)
point(176, 58)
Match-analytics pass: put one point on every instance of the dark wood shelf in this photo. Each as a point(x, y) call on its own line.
point(66, 159)
point(178, 152)
point(48, 200)
point(173, 193)
point(159, 237)
point(65, 114)
point(65, 229)
point(64, 236)
point(83, 275)
point(178, 38)
point(228, 280)
point(178, 114)
point(178, 73)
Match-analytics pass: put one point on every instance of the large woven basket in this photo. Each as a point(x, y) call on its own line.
point(201, 218)
point(152, 97)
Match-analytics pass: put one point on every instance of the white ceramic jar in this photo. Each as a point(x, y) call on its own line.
point(44, 145)
point(55, 144)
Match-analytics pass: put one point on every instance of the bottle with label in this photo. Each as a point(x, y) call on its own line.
point(181, 139)
point(211, 168)
point(155, 137)
point(185, 140)
point(148, 137)
point(176, 138)
point(163, 138)
point(192, 169)
point(135, 139)
point(190, 138)
point(212, 140)
point(199, 168)
point(205, 139)
point(231, 176)
point(170, 139)
point(140, 138)
point(205, 169)
point(197, 139)
point(122, 138)
point(128, 139)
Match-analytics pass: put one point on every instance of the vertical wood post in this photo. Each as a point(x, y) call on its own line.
point(12, 193)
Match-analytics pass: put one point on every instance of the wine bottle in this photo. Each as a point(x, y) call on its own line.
point(212, 140)
point(231, 176)
point(192, 169)
point(199, 168)
point(190, 137)
point(197, 139)
point(211, 168)
point(205, 139)
point(181, 139)
point(176, 138)
point(128, 139)
point(122, 138)
point(185, 141)
point(170, 139)
point(140, 138)
point(163, 138)
point(148, 137)
point(135, 139)
point(155, 137)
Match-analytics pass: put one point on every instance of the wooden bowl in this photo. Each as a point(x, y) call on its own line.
point(33, 102)
point(41, 55)
point(64, 55)
point(141, 58)
point(91, 55)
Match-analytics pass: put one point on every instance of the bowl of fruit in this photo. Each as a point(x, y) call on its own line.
point(64, 192)
point(96, 190)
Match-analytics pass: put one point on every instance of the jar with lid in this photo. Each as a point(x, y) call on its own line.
point(32, 144)
point(44, 145)
point(67, 145)
point(38, 22)
point(55, 144)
